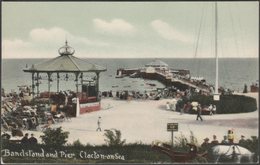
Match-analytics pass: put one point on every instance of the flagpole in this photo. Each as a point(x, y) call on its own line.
point(216, 94)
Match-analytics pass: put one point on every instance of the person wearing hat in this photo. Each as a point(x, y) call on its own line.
point(24, 140)
point(32, 140)
point(214, 141)
point(199, 113)
point(205, 144)
point(242, 140)
point(224, 141)
point(230, 136)
point(98, 123)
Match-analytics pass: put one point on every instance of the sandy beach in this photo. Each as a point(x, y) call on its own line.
point(146, 120)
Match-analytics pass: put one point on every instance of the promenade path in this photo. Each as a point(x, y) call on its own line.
point(146, 121)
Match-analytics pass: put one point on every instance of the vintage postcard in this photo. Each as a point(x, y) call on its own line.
point(130, 82)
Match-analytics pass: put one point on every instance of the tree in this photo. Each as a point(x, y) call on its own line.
point(77, 143)
point(180, 143)
point(113, 137)
point(54, 137)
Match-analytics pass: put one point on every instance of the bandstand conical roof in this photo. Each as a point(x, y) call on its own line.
point(66, 62)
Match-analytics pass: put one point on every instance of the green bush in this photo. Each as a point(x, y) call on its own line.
point(228, 103)
point(113, 137)
point(77, 143)
point(199, 160)
point(54, 137)
point(134, 153)
point(180, 143)
point(202, 99)
point(236, 104)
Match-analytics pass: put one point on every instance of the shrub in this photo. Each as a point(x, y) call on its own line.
point(113, 137)
point(236, 104)
point(193, 139)
point(180, 142)
point(54, 137)
point(228, 103)
point(77, 143)
point(202, 99)
point(199, 159)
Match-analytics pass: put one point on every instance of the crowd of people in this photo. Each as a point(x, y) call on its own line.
point(26, 140)
point(129, 95)
point(227, 139)
point(182, 103)
point(18, 114)
point(156, 94)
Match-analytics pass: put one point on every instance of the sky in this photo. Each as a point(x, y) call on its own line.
point(130, 29)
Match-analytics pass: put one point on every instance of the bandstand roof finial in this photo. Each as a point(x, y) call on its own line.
point(66, 49)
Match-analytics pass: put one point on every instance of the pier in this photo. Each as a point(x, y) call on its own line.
point(158, 70)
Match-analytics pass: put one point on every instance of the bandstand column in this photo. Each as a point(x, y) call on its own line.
point(49, 82)
point(76, 79)
point(33, 86)
point(58, 82)
point(97, 85)
point(81, 78)
point(37, 83)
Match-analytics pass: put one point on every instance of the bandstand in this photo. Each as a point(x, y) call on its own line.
point(88, 95)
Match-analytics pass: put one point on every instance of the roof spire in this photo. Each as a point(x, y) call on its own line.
point(66, 41)
point(66, 49)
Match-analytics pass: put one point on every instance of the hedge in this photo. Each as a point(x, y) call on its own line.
point(228, 103)
point(133, 153)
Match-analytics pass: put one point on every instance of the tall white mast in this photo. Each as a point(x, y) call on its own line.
point(216, 94)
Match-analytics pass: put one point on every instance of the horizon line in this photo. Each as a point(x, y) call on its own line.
point(139, 57)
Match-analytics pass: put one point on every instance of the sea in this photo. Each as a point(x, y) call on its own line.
point(234, 73)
